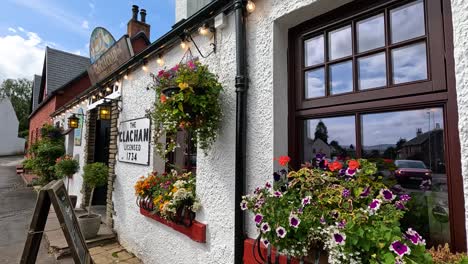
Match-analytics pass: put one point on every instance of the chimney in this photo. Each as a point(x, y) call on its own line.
point(134, 26)
point(419, 132)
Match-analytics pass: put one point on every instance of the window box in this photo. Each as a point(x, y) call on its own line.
point(196, 232)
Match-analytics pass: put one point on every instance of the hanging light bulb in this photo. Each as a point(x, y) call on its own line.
point(183, 45)
point(145, 67)
point(108, 89)
point(117, 83)
point(250, 6)
point(126, 76)
point(100, 94)
point(93, 97)
point(160, 61)
point(204, 30)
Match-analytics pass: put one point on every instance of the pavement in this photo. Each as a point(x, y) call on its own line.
point(16, 208)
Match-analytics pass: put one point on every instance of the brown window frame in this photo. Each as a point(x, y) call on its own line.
point(438, 90)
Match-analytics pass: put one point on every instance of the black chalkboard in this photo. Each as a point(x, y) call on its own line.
point(55, 193)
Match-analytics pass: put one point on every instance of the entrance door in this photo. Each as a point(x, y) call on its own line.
point(101, 154)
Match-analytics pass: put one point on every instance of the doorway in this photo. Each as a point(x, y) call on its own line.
point(101, 154)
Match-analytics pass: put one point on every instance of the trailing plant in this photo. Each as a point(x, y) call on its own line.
point(192, 104)
point(66, 166)
point(168, 193)
point(95, 175)
point(341, 207)
point(44, 153)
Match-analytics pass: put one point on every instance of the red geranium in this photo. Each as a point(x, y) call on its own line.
point(336, 165)
point(284, 160)
point(353, 164)
point(163, 98)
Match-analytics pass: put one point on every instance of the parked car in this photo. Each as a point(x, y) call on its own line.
point(411, 171)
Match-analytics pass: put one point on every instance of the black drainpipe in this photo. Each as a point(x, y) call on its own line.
point(241, 110)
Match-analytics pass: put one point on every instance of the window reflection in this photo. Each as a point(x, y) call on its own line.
point(414, 142)
point(340, 43)
point(407, 21)
point(335, 137)
point(314, 51)
point(409, 63)
point(315, 83)
point(341, 77)
point(371, 33)
point(372, 71)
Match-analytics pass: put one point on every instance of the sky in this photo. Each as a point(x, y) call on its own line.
point(28, 26)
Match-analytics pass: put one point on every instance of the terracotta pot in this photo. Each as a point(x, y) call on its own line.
point(89, 225)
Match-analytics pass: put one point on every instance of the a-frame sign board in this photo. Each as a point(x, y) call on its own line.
point(55, 193)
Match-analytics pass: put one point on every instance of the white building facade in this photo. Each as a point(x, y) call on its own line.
point(10, 144)
point(310, 60)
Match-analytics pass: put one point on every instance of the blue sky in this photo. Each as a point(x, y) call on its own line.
point(27, 26)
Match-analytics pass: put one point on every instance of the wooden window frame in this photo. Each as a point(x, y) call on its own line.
point(438, 90)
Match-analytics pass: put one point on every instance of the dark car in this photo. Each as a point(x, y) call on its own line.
point(412, 170)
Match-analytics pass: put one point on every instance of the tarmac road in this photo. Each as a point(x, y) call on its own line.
point(16, 208)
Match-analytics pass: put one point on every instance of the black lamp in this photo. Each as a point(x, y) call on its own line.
point(73, 121)
point(104, 111)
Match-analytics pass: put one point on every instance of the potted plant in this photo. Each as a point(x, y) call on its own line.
point(188, 99)
point(171, 196)
point(341, 207)
point(65, 167)
point(95, 175)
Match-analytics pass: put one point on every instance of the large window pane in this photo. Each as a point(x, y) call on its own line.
point(371, 33)
point(335, 137)
point(414, 142)
point(407, 21)
point(341, 77)
point(372, 71)
point(340, 44)
point(409, 63)
point(315, 83)
point(314, 51)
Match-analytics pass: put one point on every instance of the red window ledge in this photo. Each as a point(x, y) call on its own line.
point(196, 232)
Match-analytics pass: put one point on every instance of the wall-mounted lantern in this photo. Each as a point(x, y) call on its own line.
point(73, 121)
point(104, 111)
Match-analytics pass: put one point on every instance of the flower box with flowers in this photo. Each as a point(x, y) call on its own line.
point(343, 208)
point(188, 99)
point(170, 199)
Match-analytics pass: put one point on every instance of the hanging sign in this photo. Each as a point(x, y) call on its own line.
point(134, 141)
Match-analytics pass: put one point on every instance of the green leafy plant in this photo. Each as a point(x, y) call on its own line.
point(341, 207)
point(193, 105)
point(44, 153)
point(95, 175)
point(66, 166)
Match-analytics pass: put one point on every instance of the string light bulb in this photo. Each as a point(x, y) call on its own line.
point(100, 94)
point(93, 97)
point(126, 76)
point(108, 89)
point(160, 61)
point(250, 6)
point(204, 30)
point(117, 83)
point(144, 67)
point(183, 45)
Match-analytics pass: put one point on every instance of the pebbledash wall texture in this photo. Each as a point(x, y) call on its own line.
point(460, 41)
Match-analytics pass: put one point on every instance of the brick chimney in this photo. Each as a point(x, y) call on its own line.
point(134, 26)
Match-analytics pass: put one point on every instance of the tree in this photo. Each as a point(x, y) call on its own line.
point(321, 132)
point(400, 143)
point(19, 93)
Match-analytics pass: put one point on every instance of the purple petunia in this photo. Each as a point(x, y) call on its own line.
point(268, 185)
point(350, 172)
point(387, 195)
point(346, 193)
point(400, 205)
point(294, 221)
point(322, 220)
point(335, 214)
point(306, 200)
point(342, 172)
point(405, 197)
point(243, 205)
point(398, 260)
point(266, 242)
point(339, 238)
point(278, 194)
point(414, 237)
point(259, 203)
point(257, 190)
point(365, 192)
point(258, 218)
point(265, 227)
point(400, 248)
point(341, 224)
point(281, 232)
point(300, 210)
point(276, 176)
point(374, 205)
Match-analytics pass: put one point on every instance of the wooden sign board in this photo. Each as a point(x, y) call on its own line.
point(55, 193)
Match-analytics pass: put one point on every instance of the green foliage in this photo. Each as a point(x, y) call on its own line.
point(344, 208)
point(19, 92)
point(44, 153)
point(95, 174)
point(66, 166)
point(195, 107)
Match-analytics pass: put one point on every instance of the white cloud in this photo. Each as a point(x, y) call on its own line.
point(85, 24)
point(22, 56)
point(12, 30)
point(21, 29)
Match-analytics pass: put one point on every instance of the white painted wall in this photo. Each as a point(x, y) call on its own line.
point(460, 33)
point(10, 143)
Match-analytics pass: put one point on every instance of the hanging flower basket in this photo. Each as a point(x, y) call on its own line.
point(188, 99)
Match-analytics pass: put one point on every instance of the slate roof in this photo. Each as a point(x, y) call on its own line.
point(419, 140)
point(35, 88)
point(62, 67)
